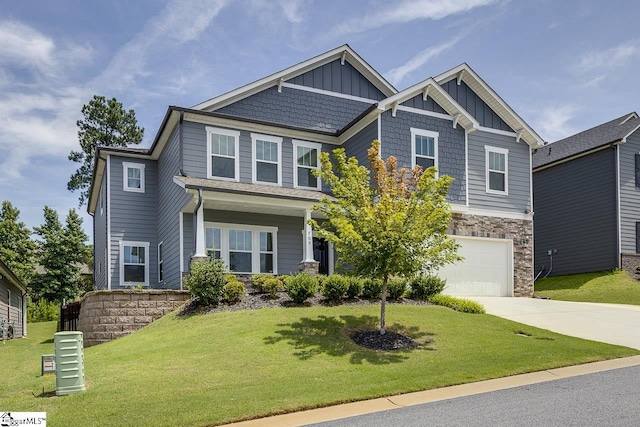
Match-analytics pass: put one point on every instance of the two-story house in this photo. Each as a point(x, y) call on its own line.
point(232, 176)
point(587, 190)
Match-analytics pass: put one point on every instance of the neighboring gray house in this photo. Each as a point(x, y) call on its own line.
point(13, 302)
point(587, 192)
point(231, 177)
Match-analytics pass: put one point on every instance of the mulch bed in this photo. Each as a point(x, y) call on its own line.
point(388, 341)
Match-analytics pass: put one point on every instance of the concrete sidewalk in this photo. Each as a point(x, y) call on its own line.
point(399, 401)
point(610, 323)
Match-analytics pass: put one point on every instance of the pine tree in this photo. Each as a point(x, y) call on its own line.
point(105, 124)
point(61, 251)
point(16, 246)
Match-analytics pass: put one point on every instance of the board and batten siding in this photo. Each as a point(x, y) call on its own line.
point(518, 176)
point(629, 193)
point(290, 237)
point(133, 216)
point(341, 78)
point(396, 141)
point(100, 266)
point(475, 105)
point(575, 213)
point(171, 199)
point(300, 108)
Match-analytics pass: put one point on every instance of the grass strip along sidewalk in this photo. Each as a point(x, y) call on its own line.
point(223, 367)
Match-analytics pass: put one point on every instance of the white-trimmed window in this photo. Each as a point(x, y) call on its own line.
point(497, 169)
point(243, 248)
point(160, 263)
point(133, 177)
point(305, 159)
point(134, 263)
point(222, 154)
point(424, 148)
point(267, 153)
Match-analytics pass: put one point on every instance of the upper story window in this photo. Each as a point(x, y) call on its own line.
point(222, 153)
point(497, 169)
point(305, 161)
point(134, 263)
point(424, 148)
point(266, 159)
point(133, 177)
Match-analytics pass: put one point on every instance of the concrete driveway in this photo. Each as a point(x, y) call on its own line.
point(611, 323)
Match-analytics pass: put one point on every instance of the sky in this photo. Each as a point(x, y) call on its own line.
point(563, 66)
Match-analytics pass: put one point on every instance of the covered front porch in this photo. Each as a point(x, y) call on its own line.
point(253, 228)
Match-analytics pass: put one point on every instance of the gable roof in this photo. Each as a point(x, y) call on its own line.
point(430, 87)
point(344, 53)
point(464, 72)
point(611, 132)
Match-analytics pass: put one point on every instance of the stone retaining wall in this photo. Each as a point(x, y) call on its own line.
point(107, 315)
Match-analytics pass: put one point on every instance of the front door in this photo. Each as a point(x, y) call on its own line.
point(321, 254)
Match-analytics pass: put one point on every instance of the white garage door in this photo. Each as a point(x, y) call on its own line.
point(487, 268)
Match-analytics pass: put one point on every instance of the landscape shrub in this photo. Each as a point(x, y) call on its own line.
point(424, 287)
point(301, 287)
point(42, 311)
point(233, 291)
point(205, 281)
point(334, 287)
point(230, 277)
point(258, 280)
point(272, 285)
point(458, 304)
point(396, 288)
point(354, 286)
point(372, 288)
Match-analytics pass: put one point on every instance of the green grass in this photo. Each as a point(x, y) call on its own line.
point(211, 369)
point(614, 287)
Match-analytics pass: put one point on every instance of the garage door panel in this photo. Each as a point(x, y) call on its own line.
point(486, 269)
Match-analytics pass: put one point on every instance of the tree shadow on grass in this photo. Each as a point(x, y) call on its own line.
point(332, 336)
point(575, 281)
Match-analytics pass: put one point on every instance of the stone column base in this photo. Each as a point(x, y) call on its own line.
point(310, 267)
point(201, 258)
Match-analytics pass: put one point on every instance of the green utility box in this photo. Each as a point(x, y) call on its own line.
point(69, 362)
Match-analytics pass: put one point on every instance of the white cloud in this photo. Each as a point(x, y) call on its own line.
point(610, 58)
point(554, 122)
point(396, 75)
point(24, 46)
point(406, 11)
point(178, 23)
point(293, 10)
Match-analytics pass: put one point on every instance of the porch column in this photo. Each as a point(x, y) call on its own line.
point(308, 264)
point(201, 251)
point(308, 238)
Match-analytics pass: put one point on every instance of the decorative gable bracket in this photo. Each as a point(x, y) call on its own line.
point(425, 93)
point(519, 135)
point(459, 77)
point(455, 120)
point(280, 83)
point(394, 108)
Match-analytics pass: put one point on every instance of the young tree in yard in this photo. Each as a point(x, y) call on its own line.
point(61, 250)
point(106, 123)
point(387, 222)
point(16, 246)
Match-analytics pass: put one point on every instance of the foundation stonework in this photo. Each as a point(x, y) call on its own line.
point(518, 230)
point(629, 262)
point(311, 267)
point(107, 315)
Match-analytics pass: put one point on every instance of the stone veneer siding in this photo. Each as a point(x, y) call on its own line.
point(107, 315)
point(520, 231)
point(629, 262)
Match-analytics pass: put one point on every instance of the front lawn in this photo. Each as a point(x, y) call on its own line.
point(222, 367)
point(614, 287)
